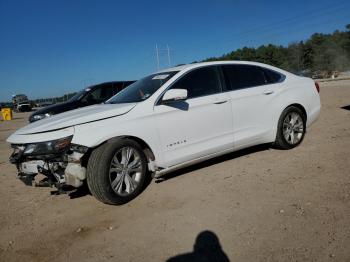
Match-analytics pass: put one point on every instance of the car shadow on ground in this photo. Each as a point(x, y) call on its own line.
point(346, 107)
point(213, 161)
point(79, 192)
point(206, 248)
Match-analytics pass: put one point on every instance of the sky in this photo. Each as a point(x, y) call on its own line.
point(49, 48)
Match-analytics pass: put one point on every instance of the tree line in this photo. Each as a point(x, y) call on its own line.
point(321, 52)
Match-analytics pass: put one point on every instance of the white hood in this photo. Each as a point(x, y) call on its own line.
point(76, 117)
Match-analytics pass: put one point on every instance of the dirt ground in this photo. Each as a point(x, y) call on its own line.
point(259, 204)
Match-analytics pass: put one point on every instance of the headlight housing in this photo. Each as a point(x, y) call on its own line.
point(49, 147)
point(40, 116)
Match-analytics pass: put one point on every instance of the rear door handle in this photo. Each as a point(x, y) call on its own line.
point(268, 92)
point(220, 102)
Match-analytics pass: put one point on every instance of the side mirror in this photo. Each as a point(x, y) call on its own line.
point(174, 95)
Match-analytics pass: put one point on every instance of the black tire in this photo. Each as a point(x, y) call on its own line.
point(281, 142)
point(98, 172)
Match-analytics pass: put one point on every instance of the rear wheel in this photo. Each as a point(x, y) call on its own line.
point(116, 171)
point(291, 128)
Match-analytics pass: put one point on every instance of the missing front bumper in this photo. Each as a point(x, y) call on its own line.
point(58, 173)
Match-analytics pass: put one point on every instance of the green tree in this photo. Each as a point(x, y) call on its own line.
point(324, 52)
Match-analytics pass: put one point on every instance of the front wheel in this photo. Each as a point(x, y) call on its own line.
point(116, 171)
point(291, 128)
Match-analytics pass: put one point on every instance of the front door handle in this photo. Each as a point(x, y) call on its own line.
point(220, 102)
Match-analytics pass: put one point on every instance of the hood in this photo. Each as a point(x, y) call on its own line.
point(76, 117)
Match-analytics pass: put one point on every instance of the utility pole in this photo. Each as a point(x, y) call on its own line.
point(167, 47)
point(160, 54)
point(157, 54)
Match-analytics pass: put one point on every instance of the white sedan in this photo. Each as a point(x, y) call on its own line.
point(165, 121)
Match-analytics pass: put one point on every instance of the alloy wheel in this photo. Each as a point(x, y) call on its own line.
point(293, 128)
point(125, 171)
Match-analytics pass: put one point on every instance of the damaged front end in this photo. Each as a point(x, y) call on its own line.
point(58, 160)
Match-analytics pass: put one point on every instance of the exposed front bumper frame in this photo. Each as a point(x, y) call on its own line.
point(60, 171)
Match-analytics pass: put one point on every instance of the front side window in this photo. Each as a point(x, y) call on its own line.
point(92, 96)
point(142, 89)
point(200, 82)
point(106, 92)
point(98, 95)
point(243, 76)
point(120, 86)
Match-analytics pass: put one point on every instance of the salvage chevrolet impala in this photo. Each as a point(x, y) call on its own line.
point(163, 122)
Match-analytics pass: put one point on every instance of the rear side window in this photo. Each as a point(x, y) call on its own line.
point(243, 76)
point(272, 76)
point(200, 82)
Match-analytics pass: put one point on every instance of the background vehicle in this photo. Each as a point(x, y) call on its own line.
point(88, 96)
point(166, 121)
point(21, 103)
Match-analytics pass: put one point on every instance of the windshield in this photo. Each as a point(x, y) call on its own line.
point(142, 89)
point(79, 95)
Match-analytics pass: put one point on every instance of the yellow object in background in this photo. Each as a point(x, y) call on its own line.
point(6, 114)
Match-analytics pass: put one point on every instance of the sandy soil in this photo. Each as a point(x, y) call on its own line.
point(259, 204)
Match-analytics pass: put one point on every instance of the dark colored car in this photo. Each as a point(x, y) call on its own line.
point(88, 96)
point(44, 104)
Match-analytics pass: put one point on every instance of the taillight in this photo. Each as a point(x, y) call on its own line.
point(317, 87)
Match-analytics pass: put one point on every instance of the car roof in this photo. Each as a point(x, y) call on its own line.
point(111, 82)
point(227, 62)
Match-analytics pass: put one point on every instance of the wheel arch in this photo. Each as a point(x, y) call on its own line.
point(301, 107)
point(144, 145)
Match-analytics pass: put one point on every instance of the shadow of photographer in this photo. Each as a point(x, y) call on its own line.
point(206, 248)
